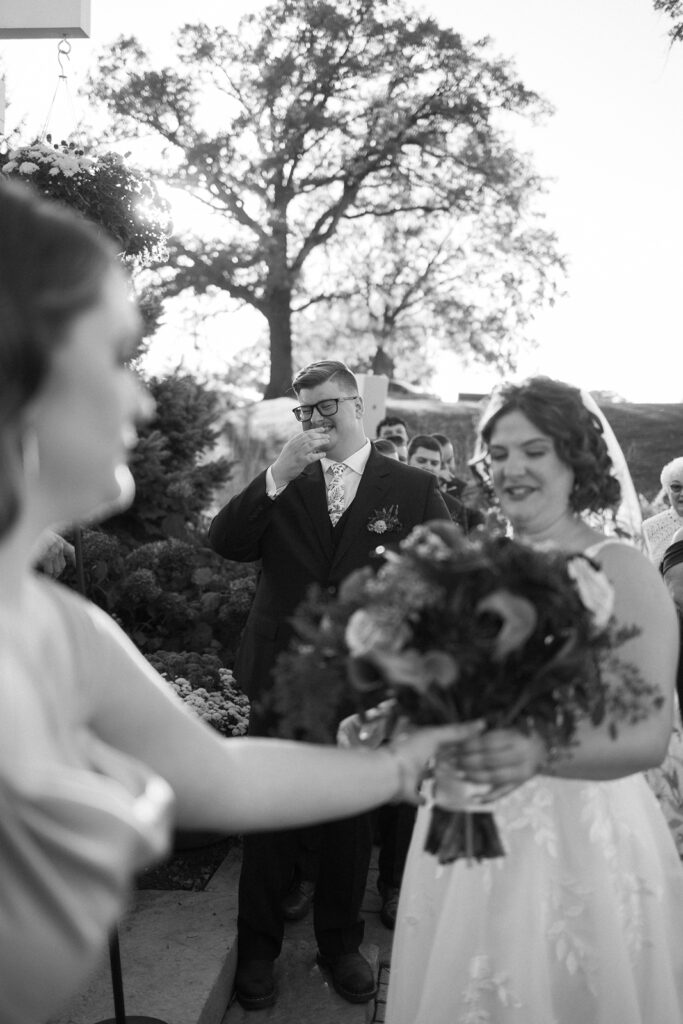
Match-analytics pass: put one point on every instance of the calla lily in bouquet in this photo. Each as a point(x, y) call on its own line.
point(454, 628)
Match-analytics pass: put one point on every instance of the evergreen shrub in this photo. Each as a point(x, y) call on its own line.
point(151, 567)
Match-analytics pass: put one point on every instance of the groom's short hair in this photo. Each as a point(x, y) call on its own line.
point(319, 373)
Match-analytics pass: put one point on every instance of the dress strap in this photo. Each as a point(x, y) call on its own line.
point(594, 549)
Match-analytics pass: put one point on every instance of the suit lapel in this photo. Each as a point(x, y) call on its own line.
point(371, 490)
point(310, 489)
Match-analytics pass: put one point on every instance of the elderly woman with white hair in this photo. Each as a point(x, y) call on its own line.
point(658, 530)
point(667, 779)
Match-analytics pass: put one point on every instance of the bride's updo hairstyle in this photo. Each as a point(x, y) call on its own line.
point(557, 410)
point(52, 267)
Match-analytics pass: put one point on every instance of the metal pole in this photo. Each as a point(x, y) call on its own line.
point(114, 950)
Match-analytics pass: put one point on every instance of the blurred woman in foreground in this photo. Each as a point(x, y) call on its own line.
point(97, 757)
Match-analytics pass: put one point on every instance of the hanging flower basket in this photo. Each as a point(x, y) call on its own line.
point(104, 188)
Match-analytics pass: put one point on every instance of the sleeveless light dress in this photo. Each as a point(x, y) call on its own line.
point(77, 817)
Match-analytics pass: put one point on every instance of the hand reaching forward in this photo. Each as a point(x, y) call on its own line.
point(371, 729)
point(415, 749)
point(53, 553)
point(300, 451)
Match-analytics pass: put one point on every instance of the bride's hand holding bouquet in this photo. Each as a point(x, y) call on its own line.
point(492, 764)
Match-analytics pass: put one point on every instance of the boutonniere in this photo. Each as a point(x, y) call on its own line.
point(384, 520)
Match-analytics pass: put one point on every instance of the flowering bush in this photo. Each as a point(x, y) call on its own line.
point(169, 595)
point(457, 629)
point(227, 710)
point(207, 688)
point(120, 198)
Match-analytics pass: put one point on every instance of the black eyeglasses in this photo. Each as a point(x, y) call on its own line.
point(328, 407)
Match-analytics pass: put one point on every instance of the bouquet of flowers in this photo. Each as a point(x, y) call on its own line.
point(451, 629)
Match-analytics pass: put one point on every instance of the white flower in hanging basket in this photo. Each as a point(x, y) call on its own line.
point(41, 155)
point(121, 199)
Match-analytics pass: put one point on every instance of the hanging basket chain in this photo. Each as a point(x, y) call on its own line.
point(63, 57)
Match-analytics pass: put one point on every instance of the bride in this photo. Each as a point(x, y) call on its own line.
point(580, 920)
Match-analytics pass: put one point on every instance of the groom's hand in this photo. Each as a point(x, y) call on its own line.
point(300, 451)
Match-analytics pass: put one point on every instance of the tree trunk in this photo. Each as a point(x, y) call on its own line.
point(280, 327)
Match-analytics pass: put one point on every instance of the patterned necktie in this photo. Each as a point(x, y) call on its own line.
point(335, 492)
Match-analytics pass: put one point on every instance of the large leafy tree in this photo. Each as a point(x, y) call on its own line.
point(331, 117)
point(674, 8)
point(411, 289)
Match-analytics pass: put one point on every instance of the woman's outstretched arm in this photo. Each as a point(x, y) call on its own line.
point(242, 784)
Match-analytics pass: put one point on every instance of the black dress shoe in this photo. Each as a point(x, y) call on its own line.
point(297, 902)
point(387, 914)
point(352, 976)
point(254, 984)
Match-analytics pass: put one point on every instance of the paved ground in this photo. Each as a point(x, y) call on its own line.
point(305, 994)
point(178, 955)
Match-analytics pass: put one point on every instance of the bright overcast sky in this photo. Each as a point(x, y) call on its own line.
point(613, 149)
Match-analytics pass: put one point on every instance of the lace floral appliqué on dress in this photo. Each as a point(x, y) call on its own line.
point(590, 935)
point(666, 782)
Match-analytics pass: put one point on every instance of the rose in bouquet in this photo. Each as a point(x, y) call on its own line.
point(451, 628)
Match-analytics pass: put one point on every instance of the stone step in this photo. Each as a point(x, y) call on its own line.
point(178, 956)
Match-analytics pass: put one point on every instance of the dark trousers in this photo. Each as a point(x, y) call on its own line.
point(394, 831)
point(268, 863)
point(307, 855)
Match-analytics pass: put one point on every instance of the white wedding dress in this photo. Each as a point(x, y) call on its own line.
point(580, 923)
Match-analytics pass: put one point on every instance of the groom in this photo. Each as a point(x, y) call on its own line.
point(314, 516)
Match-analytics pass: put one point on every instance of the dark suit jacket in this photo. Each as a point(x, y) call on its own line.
point(293, 539)
point(465, 517)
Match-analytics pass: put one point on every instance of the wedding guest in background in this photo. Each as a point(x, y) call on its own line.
point(666, 779)
point(671, 568)
point(399, 444)
point(308, 518)
point(450, 482)
point(468, 513)
point(385, 447)
point(396, 430)
point(659, 529)
point(54, 553)
point(424, 452)
point(99, 759)
point(672, 571)
point(590, 877)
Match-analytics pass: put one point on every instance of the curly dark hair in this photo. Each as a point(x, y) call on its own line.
point(558, 411)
